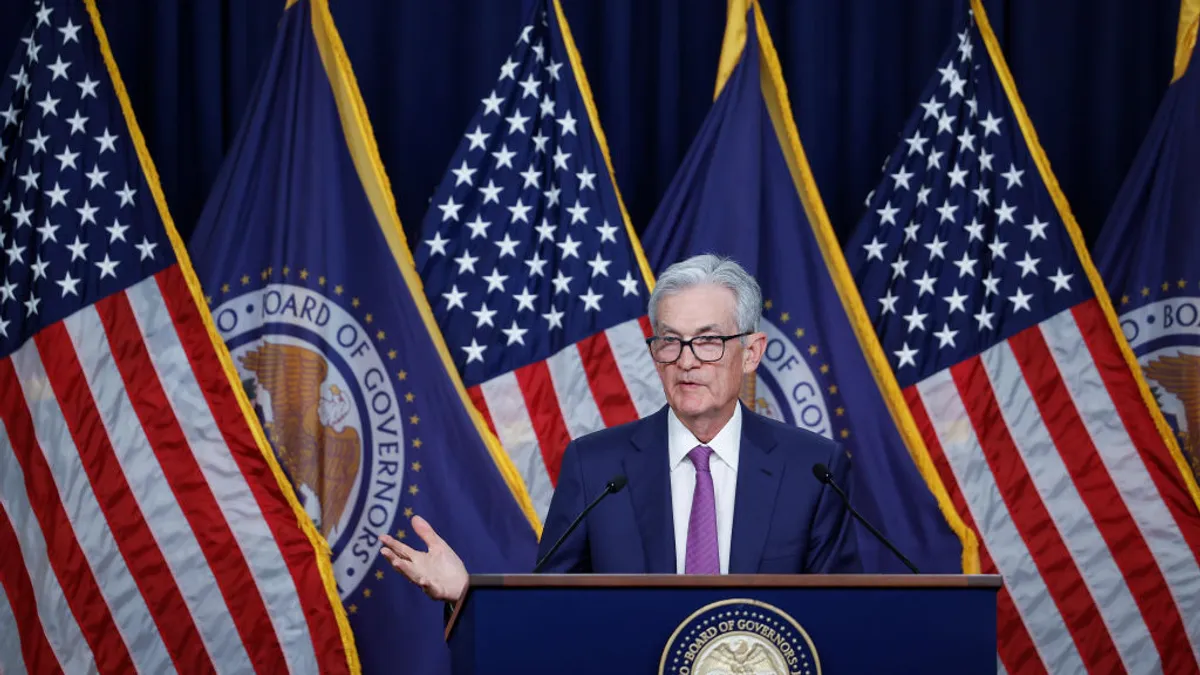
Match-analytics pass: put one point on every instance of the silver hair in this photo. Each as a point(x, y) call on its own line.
point(716, 270)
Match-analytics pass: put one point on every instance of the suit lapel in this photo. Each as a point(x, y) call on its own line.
point(647, 468)
point(758, 477)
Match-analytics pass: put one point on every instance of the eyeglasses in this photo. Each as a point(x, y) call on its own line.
point(706, 348)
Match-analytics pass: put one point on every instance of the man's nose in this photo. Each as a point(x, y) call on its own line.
point(687, 359)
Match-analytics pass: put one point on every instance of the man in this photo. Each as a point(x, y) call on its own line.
point(713, 488)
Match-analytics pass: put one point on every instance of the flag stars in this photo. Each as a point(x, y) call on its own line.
point(936, 248)
point(901, 178)
point(107, 141)
point(906, 355)
point(562, 283)
point(1037, 229)
point(599, 265)
point(146, 249)
point(991, 124)
point(875, 249)
point(474, 351)
point(466, 262)
point(504, 157)
point(529, 87)
point(108, 267)
point(478, 140)
point(629, 285)
point(945, 337)
point(925, 283)
point(983, 319)
point(515, 334)
point(567, 124)
point(1004, 213)
point(1013, 176)
point(1020, 300)
point(591, 300)
point(578, 213)
point(570, 247)
point(507, 246)
point(887, 214)
point(916, 320)
point(1028, 265)
point(1062, 282)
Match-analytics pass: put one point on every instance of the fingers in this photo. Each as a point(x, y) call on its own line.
point(426, 532)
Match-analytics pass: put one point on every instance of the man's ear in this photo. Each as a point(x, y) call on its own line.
point(756, 345)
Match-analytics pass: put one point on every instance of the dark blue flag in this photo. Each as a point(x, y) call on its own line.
point(745, 191)
point(1145, 255)
point(314, 291)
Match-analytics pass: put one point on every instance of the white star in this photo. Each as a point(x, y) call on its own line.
point(39, 268)
point(945, 337)
point(984, 319)
point(529, 86)
point(58, 196)
point(31, 52)
point(463, 174)
point(958, 177)
point(991, 125)
point(628, 284)
point(958, 301)
point(569, 247)
point(49, 106)
point(450, 209)
point(1004, 213)
point(546, 108)
point(1062, 282)
point(607, 233)
point(966, 265)
point(875, 249)
point(145, 248)
point(96, 177)
point(77, 249)
point(70, 32)
point(1037, 229)
point(29, 178)
point(43, 16)
point(560, 158)
point(899, 267)
point(981, 195)
point(504, 157)
point(992, 284)
point(31, 305)
point(946, 124)
point(466, 262)
point(9, 115)
point(539, 51)
point(495, 280)
point(21, 215)
point(925, 283)
point(38, 142)
point(966, 141)
point(975, 229)
point(531, 176)
point(108, 267)
point(519, 211)
point(973, 105)
point(116, 231)
point(599, 265)
point(937, 248)
point(107, 141)
point(525, 300)
point(554, 318)
point(910, 232)
point(932, 107)
point(985, 161)
point(474, 351)
point(887, 214)
point(46, 230)
point(888, 302)
point(586, 179)
point(7, 291)
point(553, 69)
point(483, 315)
point(552, 195)
point(491, 193)
point(935, 160)
point(562, 283)
point(915, 320)
point(545, 231)
point(946, 210)
point(567, 122)
point(517, 122)
point(4, 328)
point(906, 354)
point(479, 226)
point(948, 73)
point(515, 333)
point(1020, 300)
point(591, 300)
point(478, 140)
point(901, 178)
point(923, 195)
point(578, 213)
point(964, 50)
point(509, 69)
point(525, 34)
point(1013, 176)
point(15, 253)
point(508, 246)
point(66, 158)
point(916, 143)
point(126, 194)
point(956, 85)
point(997, 247)
point(539, 139)
point(1028, 265)
point(454, 298)
point(437, 245)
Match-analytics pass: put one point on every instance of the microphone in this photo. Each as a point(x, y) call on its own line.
point(614, 486)
point(825, 476)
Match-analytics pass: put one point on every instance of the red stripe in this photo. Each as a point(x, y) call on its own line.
point(476, 394)
point(604, 378)
point(62, 548)
point(1135, 416)
point(548, 425)
point(298, 553)
point(36, 653)
point(1033, 522)
point(644, 322)
point(1098, 492)
point(182, 472)
point(1013, 641)
point(132, 534)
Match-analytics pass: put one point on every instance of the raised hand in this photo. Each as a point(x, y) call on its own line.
point(438, 570)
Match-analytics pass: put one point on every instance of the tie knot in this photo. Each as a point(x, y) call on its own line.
point(700, 456)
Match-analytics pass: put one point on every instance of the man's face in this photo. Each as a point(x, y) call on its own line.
point(697, 389)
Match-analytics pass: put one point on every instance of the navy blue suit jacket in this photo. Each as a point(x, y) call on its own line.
point(784, 520)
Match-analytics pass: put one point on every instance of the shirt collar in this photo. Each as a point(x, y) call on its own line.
point(725, 444)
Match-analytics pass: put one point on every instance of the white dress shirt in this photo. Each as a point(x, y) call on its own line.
point(723, 464)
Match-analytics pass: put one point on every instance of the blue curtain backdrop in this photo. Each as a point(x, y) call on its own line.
point(1091, 73)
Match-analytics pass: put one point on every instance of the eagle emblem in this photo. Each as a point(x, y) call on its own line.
point(308, 426)
point(1179, 375)
point(740, 656)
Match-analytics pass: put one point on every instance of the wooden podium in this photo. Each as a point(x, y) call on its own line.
point(810, 624)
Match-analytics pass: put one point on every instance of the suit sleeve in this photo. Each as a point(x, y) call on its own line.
point(833, 547)
point(566, 504)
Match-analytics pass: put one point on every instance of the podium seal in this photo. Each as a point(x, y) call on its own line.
point(739, 636)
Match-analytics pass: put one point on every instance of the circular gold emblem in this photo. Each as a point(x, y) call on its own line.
point(739, 637)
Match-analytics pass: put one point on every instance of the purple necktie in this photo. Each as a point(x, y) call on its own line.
point(703, 556)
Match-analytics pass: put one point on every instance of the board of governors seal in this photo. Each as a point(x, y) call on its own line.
point(740, 636)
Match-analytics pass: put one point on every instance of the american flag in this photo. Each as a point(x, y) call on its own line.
point(989, 309)
point(531, 268)
point(141, 526)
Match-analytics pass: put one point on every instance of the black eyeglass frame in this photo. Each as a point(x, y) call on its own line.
point(688, 343)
